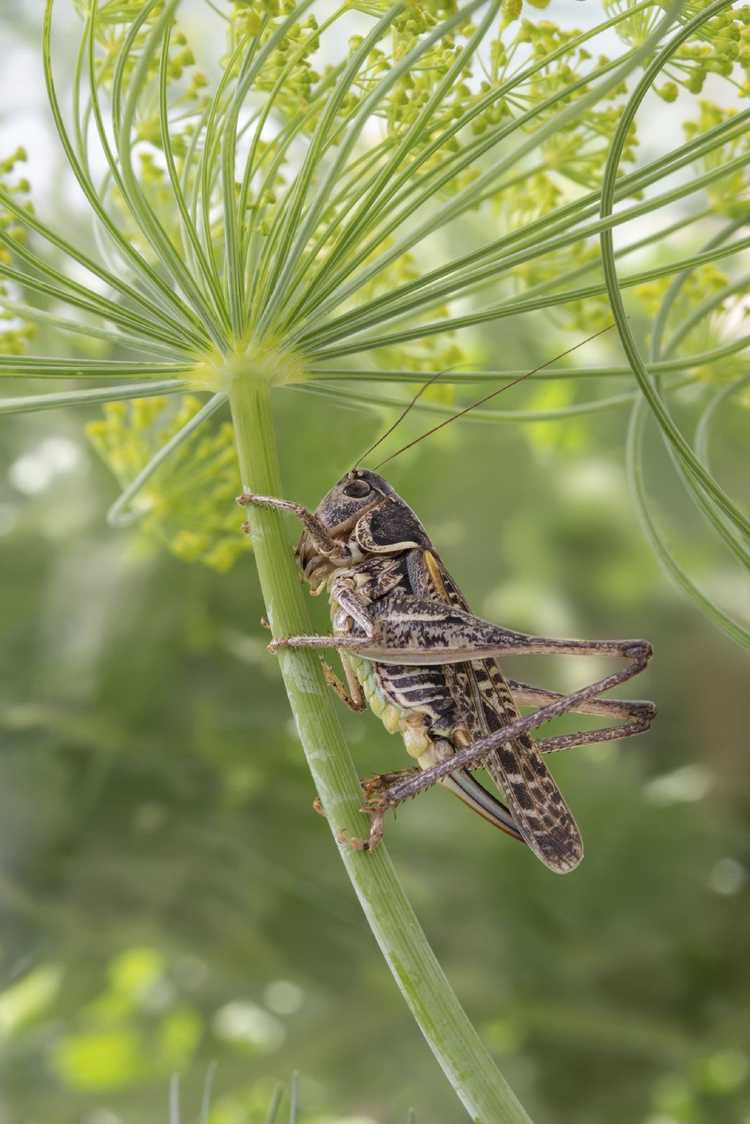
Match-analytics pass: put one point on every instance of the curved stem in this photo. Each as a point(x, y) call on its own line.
point(614, 283)
point(453, 1040)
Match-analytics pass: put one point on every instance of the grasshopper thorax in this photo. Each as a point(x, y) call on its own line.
point(365, 516)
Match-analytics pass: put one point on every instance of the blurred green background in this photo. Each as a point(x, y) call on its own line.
point(169, 900)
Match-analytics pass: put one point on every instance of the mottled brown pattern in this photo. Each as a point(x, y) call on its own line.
point(404, 581)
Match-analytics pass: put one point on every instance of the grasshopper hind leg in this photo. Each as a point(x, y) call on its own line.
point(375, 808)
point(461, 783)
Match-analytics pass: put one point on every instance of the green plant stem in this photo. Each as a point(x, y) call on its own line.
point(465, 1061)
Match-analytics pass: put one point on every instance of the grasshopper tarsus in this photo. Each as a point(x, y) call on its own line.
point(318, 807)
point(376, 786)
point(366, 846)
point(377, 828)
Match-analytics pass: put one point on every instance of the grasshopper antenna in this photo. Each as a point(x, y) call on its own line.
point(479, 401)
point(405, 411)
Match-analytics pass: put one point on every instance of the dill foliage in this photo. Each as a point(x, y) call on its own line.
point(338, 199)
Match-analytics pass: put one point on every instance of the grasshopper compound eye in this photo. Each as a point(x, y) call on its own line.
point(357, 489)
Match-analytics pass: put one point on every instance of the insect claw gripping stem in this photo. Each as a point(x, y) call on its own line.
point(369, 844)
point(375, 806)
point(375, 837)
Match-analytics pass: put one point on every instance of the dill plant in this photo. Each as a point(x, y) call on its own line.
point(283, 223)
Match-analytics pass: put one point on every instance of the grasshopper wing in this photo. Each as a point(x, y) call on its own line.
point(539, 811)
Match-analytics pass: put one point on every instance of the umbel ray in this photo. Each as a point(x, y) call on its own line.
point(411, 648)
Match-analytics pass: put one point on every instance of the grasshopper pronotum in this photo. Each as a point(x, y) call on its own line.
point(413, 651)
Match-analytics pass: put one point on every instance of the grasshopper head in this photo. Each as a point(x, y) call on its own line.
point(342, 513)
point(355, 493)
point(339, 511)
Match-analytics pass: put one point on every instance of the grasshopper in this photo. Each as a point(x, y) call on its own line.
point(411, 648)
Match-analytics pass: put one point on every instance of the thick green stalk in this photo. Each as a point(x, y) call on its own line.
point(468, 1066)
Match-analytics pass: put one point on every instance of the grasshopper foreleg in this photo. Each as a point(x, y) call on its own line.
point(324, 543)
point(353, 607)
